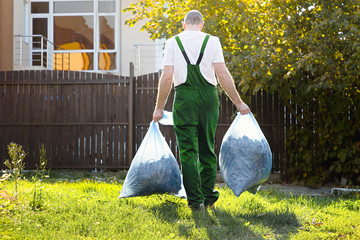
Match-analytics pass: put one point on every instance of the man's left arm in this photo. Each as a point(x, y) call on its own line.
point(227, 83)
point(165, 84)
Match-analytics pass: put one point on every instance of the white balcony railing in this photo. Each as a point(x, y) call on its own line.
point(36, 51)
point(148, 58)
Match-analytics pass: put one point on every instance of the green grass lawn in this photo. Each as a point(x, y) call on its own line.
point(89, 209)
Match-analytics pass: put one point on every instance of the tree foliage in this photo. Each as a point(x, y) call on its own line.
point(308, 51)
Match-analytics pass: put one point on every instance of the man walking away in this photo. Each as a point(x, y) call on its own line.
point(191, 60)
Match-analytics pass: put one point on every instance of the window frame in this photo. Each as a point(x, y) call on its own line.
point(96, 31)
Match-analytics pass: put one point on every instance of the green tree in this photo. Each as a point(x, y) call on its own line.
point(308, 51)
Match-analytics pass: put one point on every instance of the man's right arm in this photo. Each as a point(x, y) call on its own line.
point(164, 88)
point(227, 83)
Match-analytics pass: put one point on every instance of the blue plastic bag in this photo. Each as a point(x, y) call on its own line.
point(245, 157)
point(154, 168)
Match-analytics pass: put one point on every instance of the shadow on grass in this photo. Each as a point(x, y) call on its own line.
point(168, 211)
point(222, 224)
point(190, 224)
point(281, 224)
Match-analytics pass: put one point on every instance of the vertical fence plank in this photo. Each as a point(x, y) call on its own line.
point(82, 149)
point(88, 110)
point(110, 107)
point(65, 101)
point(137, 108)
point(130, 145)
point(123, 144)
point(105, 145)
point(70, 118)
point(124, 135)
point(116, 119)
point(281, 136)
point(36, 137)
point(98, 147)
point(116, 159)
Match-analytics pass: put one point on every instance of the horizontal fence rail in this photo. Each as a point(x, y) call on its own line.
point(97, 121)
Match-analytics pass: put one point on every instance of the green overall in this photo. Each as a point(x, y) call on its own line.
point(195, 114)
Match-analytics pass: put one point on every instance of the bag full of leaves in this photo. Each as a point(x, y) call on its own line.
point(154, 168)
point(245, 158)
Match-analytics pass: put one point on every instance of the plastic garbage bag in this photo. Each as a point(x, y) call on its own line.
point(181, 193)
point(245, 158)
point(167, 119)
point(154, 168)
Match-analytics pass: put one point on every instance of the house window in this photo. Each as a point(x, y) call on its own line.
point(40, 7)
point(106, 6)
point(74, 7)
point(84, 33)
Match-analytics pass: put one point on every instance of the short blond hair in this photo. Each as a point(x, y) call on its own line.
point(193, 17)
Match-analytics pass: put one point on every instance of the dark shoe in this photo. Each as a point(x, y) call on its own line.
point(210, 205)
point(197, 208)
point(209, 201)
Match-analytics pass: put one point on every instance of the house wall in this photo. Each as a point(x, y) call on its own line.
point(6, 34)
point(130, 36)
point(19, 28)
point(19, 17)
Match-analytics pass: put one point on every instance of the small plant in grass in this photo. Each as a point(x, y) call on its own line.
point(40, 172)
point(7, 196)
point(15, 164)
point(3, 193)
point(5, 176)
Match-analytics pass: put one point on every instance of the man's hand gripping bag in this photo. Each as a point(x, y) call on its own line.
point(245, 157)
point(154, 168)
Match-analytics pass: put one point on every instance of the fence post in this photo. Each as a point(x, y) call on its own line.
point(130, 145)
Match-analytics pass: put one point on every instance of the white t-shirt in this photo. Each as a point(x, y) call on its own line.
point(192, 42)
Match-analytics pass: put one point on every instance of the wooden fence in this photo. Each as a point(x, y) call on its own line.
point(90, 120)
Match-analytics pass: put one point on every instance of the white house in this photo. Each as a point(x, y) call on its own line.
point(79, 35)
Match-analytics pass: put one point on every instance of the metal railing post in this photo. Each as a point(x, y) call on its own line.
point(41, 51)
point(47, 55)
point(139, 61)
point(21, 46)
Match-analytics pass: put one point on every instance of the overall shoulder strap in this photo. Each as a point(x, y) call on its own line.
point(182, 49)
point(202, 49)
